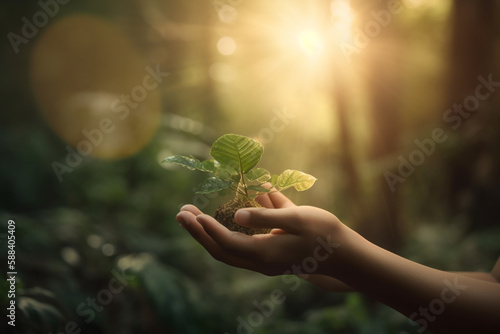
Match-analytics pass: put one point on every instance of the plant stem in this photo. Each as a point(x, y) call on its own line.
point(242, 183)
point(242, 190)
point(238, 191)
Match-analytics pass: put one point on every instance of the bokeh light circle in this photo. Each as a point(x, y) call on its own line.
point(226, 46)
point(94, 89)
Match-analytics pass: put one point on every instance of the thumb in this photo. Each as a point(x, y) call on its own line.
point(286, 219)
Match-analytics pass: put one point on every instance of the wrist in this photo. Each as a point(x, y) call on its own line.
point(348, 254)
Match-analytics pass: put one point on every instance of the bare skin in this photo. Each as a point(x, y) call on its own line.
point(443, 302)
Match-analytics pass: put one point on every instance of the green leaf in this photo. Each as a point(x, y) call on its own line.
point(293, 178)
point(273, 179)
point(40, 312)
point(258, 174)
point(188, 162)
point(213, 184)
point(225, 173)
point(259, 189)
point(209, 166)
point(238, 152)
point(236, 178)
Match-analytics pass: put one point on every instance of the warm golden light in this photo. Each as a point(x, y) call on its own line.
point(342, 18)
point(94, 89)
point(222, 72)
point(227, 14)
point(226, 46)
point(341, 10)
point(310, 42)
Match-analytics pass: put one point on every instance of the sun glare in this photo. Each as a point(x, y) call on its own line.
point(341, 10)
point(310, 42)
point(342, 18)
point(226, 46)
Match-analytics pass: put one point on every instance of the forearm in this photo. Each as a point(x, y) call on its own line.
point(327, 283)
point(488, 277)
point(441, 301)
point(335, 285)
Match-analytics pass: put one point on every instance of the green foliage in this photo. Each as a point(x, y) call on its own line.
point(213, 184)
point(234, 167)
point(131, 203)
point(39, 310)
point(293, 178)
point(237, 152)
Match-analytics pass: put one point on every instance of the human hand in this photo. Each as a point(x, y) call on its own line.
point(303, 239)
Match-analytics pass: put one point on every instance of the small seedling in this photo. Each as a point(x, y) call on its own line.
point(233, 167)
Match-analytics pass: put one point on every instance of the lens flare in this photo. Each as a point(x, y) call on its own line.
point(94, 89)
point(226, 46)
point(342, 19)
point(222, 72)
point(341, 11)
point(310, 42)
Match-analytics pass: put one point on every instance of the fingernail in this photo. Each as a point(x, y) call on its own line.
point(181, 221)
point(200, 218)
point(242, 216)
point(267, 185)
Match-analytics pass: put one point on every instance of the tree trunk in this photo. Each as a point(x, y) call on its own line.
point(473, 165)
point(379, 220)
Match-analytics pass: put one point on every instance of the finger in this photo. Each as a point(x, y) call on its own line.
point(233, 242)
point(264, 252)
point(189, 222)
point(191, 208)
point(278, 231)
point(285, 219)
point(265, 201)
point(274, 199)
point(279, 200)
point(186, 219)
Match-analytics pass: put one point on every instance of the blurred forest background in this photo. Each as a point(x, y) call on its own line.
point(338, 89)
